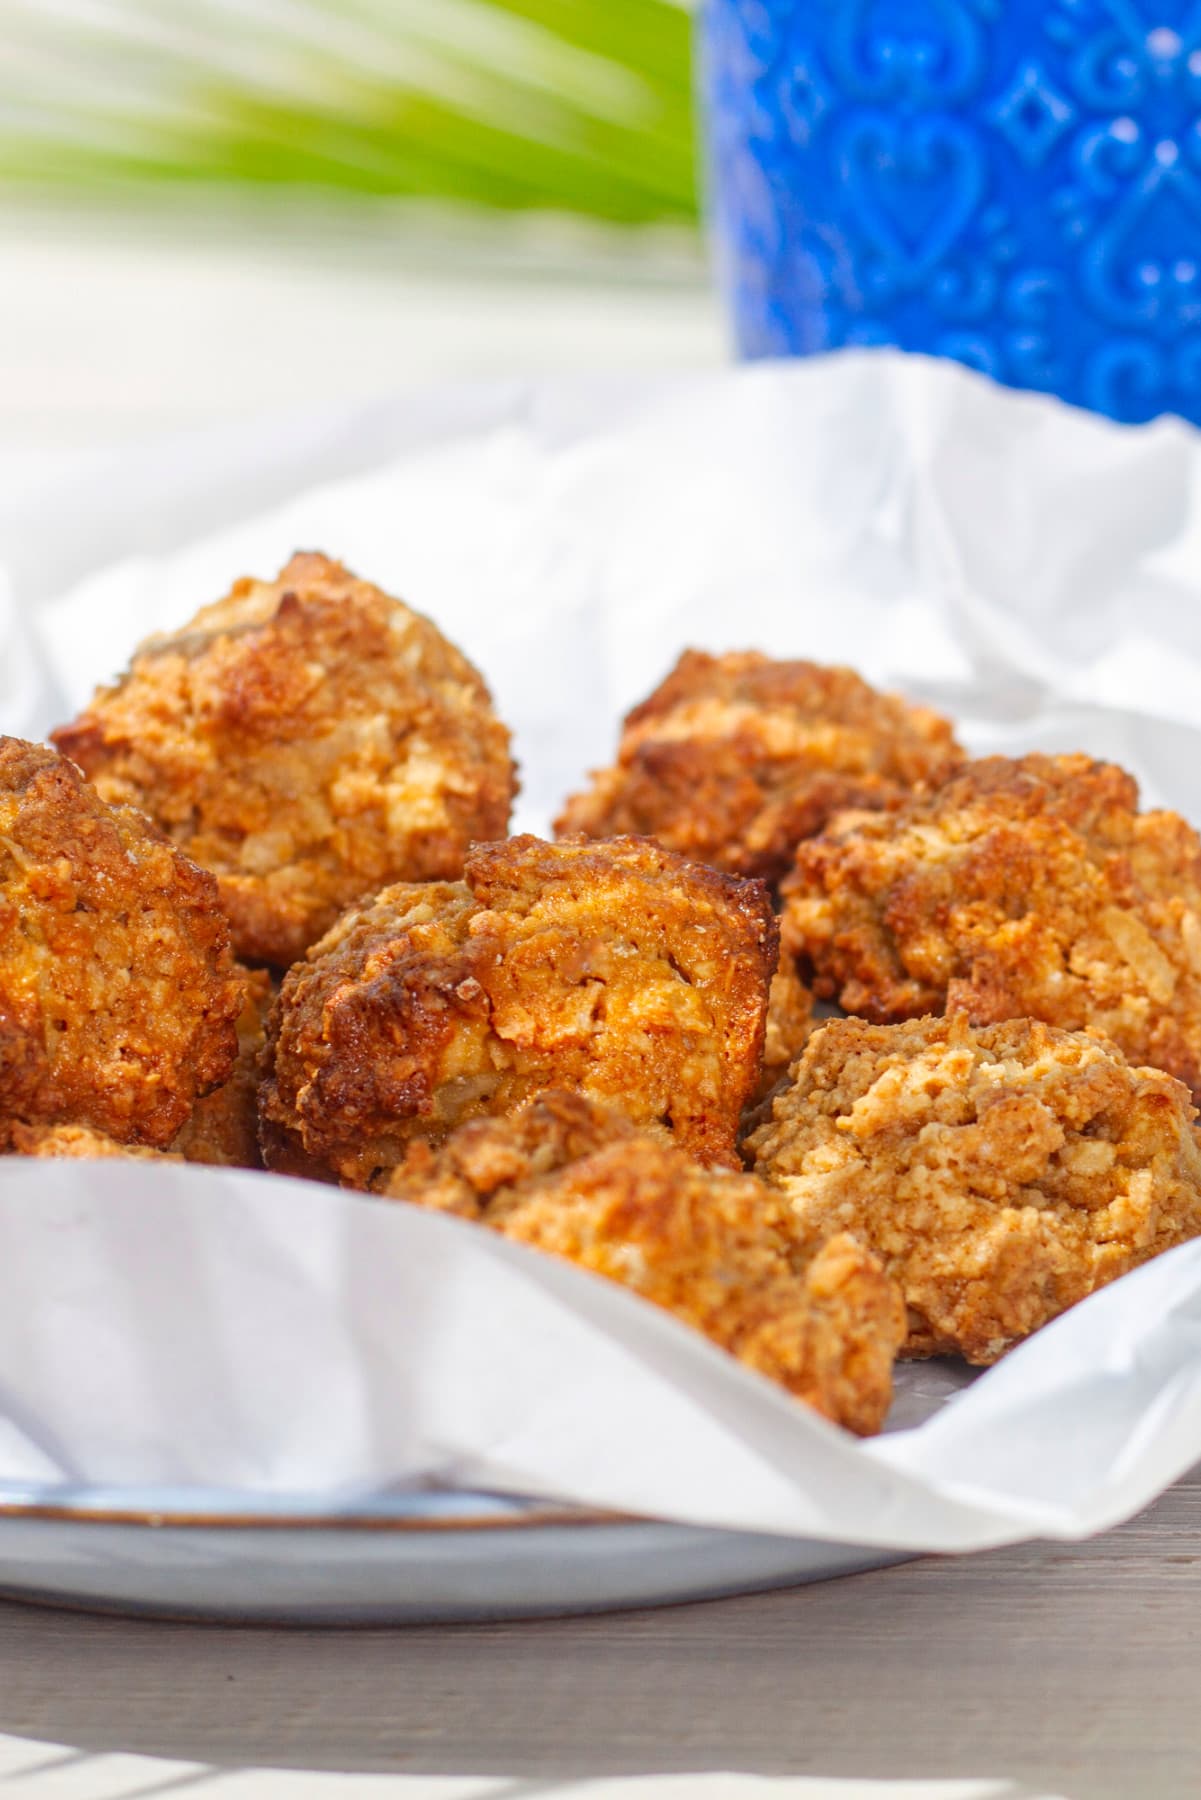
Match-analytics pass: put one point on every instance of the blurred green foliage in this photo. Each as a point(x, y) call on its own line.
point(579, 106)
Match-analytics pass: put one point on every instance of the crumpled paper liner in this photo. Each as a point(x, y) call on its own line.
point(1027, 567)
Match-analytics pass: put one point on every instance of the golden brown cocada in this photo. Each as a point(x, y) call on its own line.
point(614, 969)
point(118, 991)
point(1001, 1172)
point(734, 759)
point(721, 1251)
point(1021, 888)
point(309, 740)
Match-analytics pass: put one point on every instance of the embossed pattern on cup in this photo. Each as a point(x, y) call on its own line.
point(1010, 183)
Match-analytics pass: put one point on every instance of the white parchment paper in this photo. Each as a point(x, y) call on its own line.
point(1033, 570)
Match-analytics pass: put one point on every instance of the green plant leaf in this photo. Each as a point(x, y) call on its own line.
point(578, 106)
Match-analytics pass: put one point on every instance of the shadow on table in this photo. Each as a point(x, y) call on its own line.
point(1065, 1670)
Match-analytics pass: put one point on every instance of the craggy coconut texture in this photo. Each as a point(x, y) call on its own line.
point(614, 969)
point(1021, 889)
point(118, 991)
point(309, 740)
point(1000, 1172)
point(734, 759)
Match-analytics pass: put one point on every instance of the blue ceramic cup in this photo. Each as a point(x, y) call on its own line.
point(1014, 183)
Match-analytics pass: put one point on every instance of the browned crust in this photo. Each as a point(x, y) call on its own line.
point(734, 759)
point(614, 969)
point(308, 740)
point(118, 992)
point(1001, 1173)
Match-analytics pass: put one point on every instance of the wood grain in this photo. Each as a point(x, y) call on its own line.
point(1055, 1669)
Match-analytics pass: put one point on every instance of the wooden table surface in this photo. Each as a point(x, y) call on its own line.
point(1049, 1670)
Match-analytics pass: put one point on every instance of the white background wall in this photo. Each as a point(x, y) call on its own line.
point(115, 327)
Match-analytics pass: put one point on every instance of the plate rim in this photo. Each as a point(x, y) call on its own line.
point(533, 1515)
